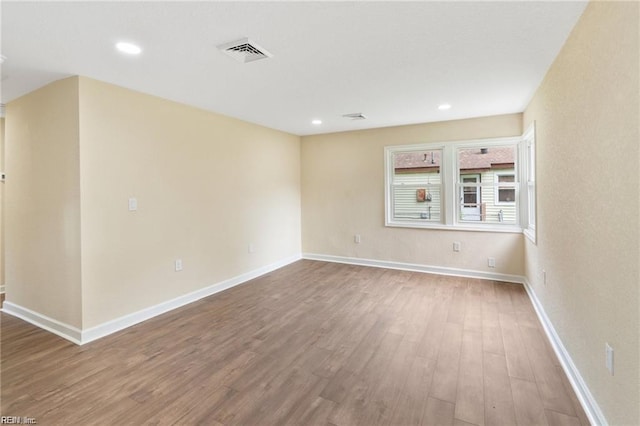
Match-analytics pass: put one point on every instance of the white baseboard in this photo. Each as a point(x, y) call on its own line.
point(439, 270)
point(589, 404)
point(63, 330)
point(81, 337)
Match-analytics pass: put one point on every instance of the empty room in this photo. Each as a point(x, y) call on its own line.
point(320, 213)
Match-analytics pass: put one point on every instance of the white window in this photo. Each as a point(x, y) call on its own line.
point(486, 176)
point(461, 185)
point(416, 186)
point(529, 161)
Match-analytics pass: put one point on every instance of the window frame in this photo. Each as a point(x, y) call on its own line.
point(451, 186)
point(528, 160)
point(389, 194)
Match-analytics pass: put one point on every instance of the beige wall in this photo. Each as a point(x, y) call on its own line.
point(586, 113)
point(42, 209)
point(2, 204)
point(207, 186)
point(343, 195)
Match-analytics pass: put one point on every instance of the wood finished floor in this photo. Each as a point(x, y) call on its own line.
point(310, 344)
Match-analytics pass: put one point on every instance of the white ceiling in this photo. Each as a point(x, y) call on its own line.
point(393, 61)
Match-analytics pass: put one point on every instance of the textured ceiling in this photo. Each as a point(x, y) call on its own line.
point(393, 61)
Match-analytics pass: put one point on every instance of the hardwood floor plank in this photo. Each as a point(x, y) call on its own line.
point(438, 412)
point(457, 309)
point(248, 403)
point(196, 407)
point(550, 386)
point(349, 373)
point(340, 385)
point(429, 344)
point(277, 402)
point(414, 315)
point(458, 422)
point(445, 377)
point(514, 348)
point(492, 340)
point(348, 336)
point(503, 298)
point(473, 311)
point(582, 416)
point(384, 395)
point(488, 291)
point(315, 413)
point(470, 388)
point(527, 403)
point(498, 401)
point(360, 407)
point(349, 411)
point(413, 395)
point(559, 419)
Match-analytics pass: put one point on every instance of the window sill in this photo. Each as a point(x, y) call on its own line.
point(530, 234)
point(511, 229)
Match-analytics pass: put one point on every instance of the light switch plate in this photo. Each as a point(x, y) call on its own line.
point(609, 358)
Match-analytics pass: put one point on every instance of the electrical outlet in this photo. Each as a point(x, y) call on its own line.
point(456, 246)
point(357, 239)
point(133, 204)
point(178, 265)
point(491, 261)
point(609, 358)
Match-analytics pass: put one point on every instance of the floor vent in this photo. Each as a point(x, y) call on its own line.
point(244, 50)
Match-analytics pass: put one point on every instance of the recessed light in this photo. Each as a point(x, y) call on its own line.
point(128, 48)
point(444, 107)
point(316, 122)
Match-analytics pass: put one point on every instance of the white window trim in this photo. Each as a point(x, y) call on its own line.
point(388, 165)
point(450, 186)
point(529, 182)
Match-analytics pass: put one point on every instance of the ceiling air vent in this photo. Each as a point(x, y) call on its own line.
point(244, 50)
point(355, 116)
